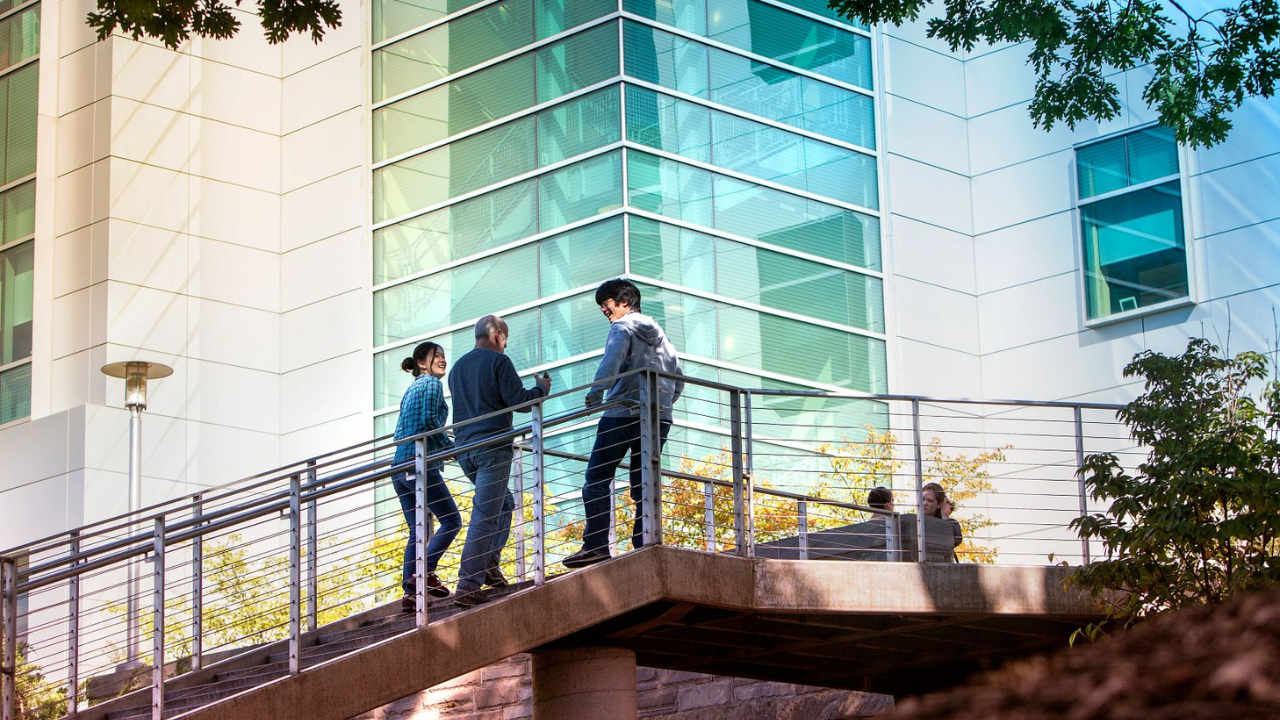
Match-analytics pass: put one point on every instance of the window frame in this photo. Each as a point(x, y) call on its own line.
point(1078, 204)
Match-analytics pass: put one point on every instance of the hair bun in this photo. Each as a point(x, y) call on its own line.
point(408, 365)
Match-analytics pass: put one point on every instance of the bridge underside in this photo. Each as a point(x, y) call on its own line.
point(882, 627)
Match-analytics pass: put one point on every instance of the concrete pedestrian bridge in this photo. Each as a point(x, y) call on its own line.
point(268, 598)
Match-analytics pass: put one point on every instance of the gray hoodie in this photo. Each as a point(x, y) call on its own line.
point(636, 341)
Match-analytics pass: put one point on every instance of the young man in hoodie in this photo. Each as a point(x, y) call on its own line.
point(635, 341)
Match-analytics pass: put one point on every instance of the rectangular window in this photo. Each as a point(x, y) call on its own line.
point(1131, 221)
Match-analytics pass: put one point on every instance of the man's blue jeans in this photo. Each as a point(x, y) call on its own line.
point(615, 437)
point(490, 470)
point(439, 503)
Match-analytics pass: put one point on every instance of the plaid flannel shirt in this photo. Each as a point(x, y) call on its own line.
point(421, 409)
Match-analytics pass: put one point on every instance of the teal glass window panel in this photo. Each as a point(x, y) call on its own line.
point(19, 113)
point(455, 107)
point(688, 15)
point(19, 205)
point(770, 343)
point(15, 394)
point(450, 233)
point(579, 125)
point(1134, 250)
point(572, 327)
point(1102, 167)
point(821, 9)
point(785, 97)
point(394, 17)
point(664, 59)
point(452, 47)
point(669, 188)
point(802, 163)
point(556, 16)
point(663, 122)
point(672, 254)
point(582, 256)
point(793, 39)
point(797, 223)
point(579, 191)
point(1153, 154)
point(20, 37)
point(689, 321)
point(17, 299)
point(464, 293)
point(578, 61)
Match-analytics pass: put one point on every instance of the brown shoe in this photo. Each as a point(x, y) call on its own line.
point(408, 604)
point(435, 588)
point(493, 578)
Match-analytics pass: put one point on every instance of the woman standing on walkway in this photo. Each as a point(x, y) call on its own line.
point(423, 409)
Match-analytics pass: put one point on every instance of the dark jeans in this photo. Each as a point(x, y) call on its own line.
point(439, 503)
point(615, 437)
point(490, 470)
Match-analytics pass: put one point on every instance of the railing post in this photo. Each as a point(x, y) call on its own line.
point(709, 513)
point(73, 632)
point(9, 629)
point(295, 574)
point(420, 530)
point(919, 474)
point(650, 460)
point(157, 619)
point(892, 544)
point(519, 493)
point(312, 552)
point(197, 585)
point(802, 516)
point(749, 475)
point(539, 510)
point(1084, 506)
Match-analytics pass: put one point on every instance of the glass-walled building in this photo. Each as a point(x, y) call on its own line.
point(722, 153)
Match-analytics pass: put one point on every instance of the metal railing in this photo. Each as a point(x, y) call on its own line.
point(754, 472)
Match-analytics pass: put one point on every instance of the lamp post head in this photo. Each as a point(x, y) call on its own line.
point(135, 374)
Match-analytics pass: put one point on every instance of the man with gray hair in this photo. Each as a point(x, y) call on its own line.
point(485, 381)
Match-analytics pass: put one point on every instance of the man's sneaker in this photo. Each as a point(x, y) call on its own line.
point(435, 588)
point(408, 604)
point(585, 557)
point(494, 579)
point(470, 598)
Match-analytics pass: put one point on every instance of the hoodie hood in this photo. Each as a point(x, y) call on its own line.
point(643, 328)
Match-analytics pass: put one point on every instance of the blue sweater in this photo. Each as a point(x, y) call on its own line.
point(481, 382)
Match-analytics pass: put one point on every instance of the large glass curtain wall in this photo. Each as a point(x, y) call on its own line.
point(19, 51)
point(720, 152)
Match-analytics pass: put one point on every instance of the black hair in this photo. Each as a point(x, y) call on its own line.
point(619, 290)
point(420, 354)
point(879, 497)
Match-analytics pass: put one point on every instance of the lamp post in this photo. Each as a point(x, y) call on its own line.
point(135, 374)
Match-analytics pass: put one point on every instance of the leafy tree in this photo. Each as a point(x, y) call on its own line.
point(38, 699)
point(173, 21)
point(1204, 64)
point(856, 467)
point(1198, 520)
point(684, 522)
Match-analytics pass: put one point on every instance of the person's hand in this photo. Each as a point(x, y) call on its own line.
point(946, 508)
point(590, 401)
point(544, 382)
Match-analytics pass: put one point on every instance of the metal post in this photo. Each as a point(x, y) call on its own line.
point(741, 501)
point(421, 529)
point(157, 620)
point(650, 461)
point(519, 493)
point(613, 516)
point(749, 475)
point(197, 585)
point(9, 629)
point(539, 515)
point(915, 439)
point(892, 545)
point(1084, 506)
point(709, 513)
point(73, 632)
point(802, 516)
point(312, 552)
point(134, 568)
point(295, 574)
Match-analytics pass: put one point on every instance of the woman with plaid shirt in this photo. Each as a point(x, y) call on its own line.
point(423, 409)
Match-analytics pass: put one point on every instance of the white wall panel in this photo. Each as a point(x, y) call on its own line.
point(233, 396)
point(323, 330)
point(235, 155)
point(936, 315)
point(323, 269)
point(340, 136)
point(924, 76)
point(998, 79)
point(151, 74)
point(1025, 252)
point(236, 96)
point(324, 90)
point(1029, 313)
point(323, 392)
point(234, 334)
point(923, 133)
point(235, 274)
point(235, 214)
point(928, 194)
point(303, 225)
point(1241, 261)
point(1236, 196)
point(925, 369)
point(932, 254)
point(143, 255)
point(1023, 192)
point(149, 134)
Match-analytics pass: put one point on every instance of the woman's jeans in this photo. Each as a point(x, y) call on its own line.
point(439, 503)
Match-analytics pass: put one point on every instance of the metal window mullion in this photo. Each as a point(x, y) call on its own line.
point(17, 9)
point(13, 69)
point(1084, 202)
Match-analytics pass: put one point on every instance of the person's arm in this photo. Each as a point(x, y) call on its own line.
point(615, 355)
point(679, 384)
point(512, 391)
point(957, 533)
point(437, 415)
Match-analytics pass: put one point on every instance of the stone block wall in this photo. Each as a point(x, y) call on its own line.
point(504, 691)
